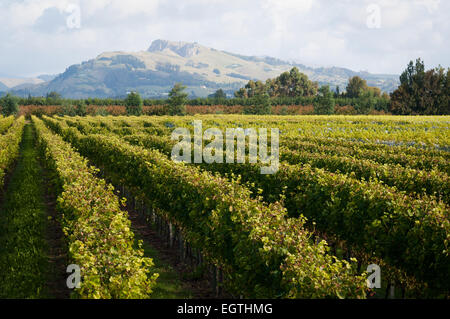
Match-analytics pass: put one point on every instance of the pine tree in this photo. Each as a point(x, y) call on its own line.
point(133, 104)
point(177, 100)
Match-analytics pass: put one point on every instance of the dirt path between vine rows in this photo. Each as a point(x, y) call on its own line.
point(197, 287)
point(57, 252)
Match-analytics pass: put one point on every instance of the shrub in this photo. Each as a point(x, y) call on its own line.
point(155, 110)
point(345, 110)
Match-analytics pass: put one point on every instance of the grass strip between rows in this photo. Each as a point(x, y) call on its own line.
point(23, 248)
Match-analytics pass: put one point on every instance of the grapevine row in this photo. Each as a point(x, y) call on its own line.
point(408, 233)
point(422, 162)
point(97, 230)
point(261, 252)
point(431, 182)
point(9, 147)
point(411, 234)
point(5, 123)
point(390, 149)
point(419, 159)
point(404, 131)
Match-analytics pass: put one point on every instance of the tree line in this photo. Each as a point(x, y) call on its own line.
point(420, 92)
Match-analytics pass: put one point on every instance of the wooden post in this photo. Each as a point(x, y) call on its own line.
point(214, 279)
point(219, 283)
point(170, 235)
point(392, 291)
point(158, 223)
point(349, 253)
point(180, 246)
point(167, 233)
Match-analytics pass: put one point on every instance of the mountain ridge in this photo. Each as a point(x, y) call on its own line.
point(202, 69)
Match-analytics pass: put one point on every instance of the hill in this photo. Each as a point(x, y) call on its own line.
point(203, 70)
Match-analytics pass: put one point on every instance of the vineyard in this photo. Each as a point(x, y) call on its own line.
point(349, 192)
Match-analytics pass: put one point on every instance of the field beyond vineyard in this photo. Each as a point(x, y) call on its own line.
point(102, 193)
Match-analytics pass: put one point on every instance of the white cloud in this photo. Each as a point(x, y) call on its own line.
point(314, 32)
point(282, 11)
point(294, 6)
point(431, 5)
point(122, 9)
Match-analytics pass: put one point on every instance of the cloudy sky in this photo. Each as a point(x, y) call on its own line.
point(380, 36)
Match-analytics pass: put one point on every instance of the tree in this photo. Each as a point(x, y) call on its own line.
point(291, 84)
point(81, 109)
point(218, 95)
point(337, 94)
point(288, 84)
point(68, 109)
point(53, 95)
point(374, 91)
point(261, 105)
point(421, 92)
point(366, 101)
point(356, 86)
point(53, 98)
point(324, 102)
point(241, 93)
point(254, 88)
point(133, 104)
point(9, 105)
point(177, 100)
